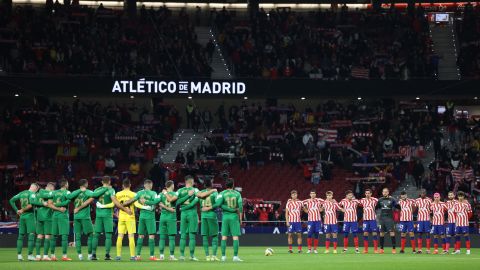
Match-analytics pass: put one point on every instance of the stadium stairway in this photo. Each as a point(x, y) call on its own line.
point(444, 45)
point(218, 64)
point(183, 140)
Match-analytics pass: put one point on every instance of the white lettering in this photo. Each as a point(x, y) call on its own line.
point(116, 87)
point(241, 88)
point(195, 87)
point(161, 87)
point(226, 87)
point(172, 87)
point(206, 88)
point(141, 85)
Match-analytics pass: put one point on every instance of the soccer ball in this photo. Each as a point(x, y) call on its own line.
point(268, 252)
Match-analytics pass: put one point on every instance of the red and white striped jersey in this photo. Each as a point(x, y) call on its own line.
point(406, 209)
point(438, 211)
point(350, 207)
point(330, 208)
point(462, 210)
point(369, 208)
point(451, 210)
point(423, 206)
point(314, 209)
point(294, 209)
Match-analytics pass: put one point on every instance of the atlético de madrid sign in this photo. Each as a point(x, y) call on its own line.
point(146, 86)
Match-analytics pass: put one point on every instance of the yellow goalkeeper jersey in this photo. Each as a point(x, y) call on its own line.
point(122, 197)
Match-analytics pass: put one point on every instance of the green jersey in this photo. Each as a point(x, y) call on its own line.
point(165, 213)
point(82, 197)
point(26, 197)
point(148, 195)
point(230, 201)
point(209, 202)
point(187, 203)
point(61, 198)
point(44, 213)
point(105, 198)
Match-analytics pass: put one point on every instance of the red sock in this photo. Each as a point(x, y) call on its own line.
point(412, 242)
point(419, 243)
point(428, 243)
point(467, 244)
point(457, 245)
point(345, 242)
point(309, 242)
point(365, 245)
point(355, 241)
point(327, 244)
point(447, 246)
point(315, 243)
point(404, 242)
point(335, 245)
point(375, 245)
point(300, 247)
point(444, 246)
point(435, 246)
point(289, 247)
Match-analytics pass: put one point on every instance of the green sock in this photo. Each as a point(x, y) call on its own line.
point(161, 243)
point(151, 245)
point(183, 243)
point(31, 243)
point(171, 243)
point(53, 243)
point(78, 243)
point(139, 246)
point(108, 243)
point(64, 244)
point(192, 242)
point(38, 245)
point(20, 243)
point(223, 244)
point(205, 245)
point(214, 245)
point(235, 247)
point(46, 246)
point(90, 243)
point(94, 243)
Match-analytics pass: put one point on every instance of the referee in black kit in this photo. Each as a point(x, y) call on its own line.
point(386, 204)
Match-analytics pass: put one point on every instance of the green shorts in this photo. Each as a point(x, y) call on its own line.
point(209, 227)
point(82, 226)
point(44, 227)
point(167, 227)
point(26, 225)
point(146, 226)
point(104, 224)
point(60, 226)
point(189, 223)
point(230, 226)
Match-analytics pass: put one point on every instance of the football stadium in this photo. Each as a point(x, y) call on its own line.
point(239, 134)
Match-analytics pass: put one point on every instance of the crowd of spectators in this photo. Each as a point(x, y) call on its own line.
point(60, 39)
point(468, 33)
point(330, 45)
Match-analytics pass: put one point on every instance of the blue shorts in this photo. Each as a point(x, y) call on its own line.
point(423, 226)
point(370, 226)
point(295, 227)
point(438, 230)
point(350, 227)
point(330, 228)
point(450, 229)
point(314, 227)
point(406, 226)
point(461, 230)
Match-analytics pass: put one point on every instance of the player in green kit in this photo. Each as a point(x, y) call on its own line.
point(188, 217)
point(168, 219)
point(146, 221)
point(104, 217)
point(232, 207)
point(209, 224)
point(82, 222)
point(44, 222)
point(26, 223)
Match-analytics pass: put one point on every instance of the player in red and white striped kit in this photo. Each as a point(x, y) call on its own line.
point(369, 204)
point(293, 212)
point(463, 212)
point(423, 220)
point(450, 225)
point(438, 220)
point(406, 221)
point(350, 219)
point(330, 227)
point(313, 207)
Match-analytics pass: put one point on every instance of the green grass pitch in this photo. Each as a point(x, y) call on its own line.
point(254, 259)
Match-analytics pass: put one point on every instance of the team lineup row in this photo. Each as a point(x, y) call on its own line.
point(44, 216)
point(443, 220)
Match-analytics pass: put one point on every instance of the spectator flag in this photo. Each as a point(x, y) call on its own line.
point(330, 135)
point(360, 73)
